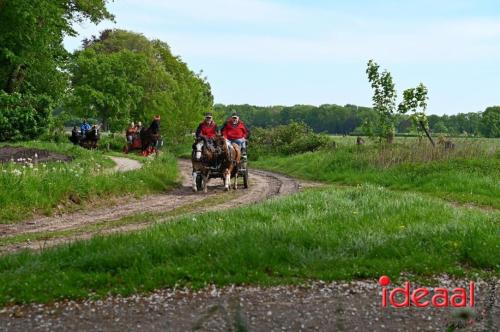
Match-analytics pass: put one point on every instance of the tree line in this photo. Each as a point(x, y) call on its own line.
point(349, 119)
point(121, 76)
point(114, 78)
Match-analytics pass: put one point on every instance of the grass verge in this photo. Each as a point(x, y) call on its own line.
point(45, 188)
point(461, 177)
point(325, 233)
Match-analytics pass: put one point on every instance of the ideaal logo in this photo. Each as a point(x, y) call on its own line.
point(421, 297)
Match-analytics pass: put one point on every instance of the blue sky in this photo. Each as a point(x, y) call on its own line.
point(269, 52)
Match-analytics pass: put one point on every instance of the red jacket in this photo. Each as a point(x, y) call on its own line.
point(231, 131)
point(206, 130)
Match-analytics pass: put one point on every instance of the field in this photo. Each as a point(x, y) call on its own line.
point(468, 174)
point(371, 219)
point(28, 189)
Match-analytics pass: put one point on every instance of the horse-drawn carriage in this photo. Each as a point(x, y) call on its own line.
point(217, 159)
point(88, 140)
point(148, 141)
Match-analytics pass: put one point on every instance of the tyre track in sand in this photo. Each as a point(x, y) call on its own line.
point(263, 185)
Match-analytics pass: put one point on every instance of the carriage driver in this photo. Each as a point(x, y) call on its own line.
point(235, 131)
point(207, 129)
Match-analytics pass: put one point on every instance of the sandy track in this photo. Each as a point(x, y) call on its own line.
point(125, 164)
point(263, 185)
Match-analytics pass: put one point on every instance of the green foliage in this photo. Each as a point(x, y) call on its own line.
point(415, 102)
point(322, 234)
point(490, 122)
point(122, 76)
point(23, 117)
point(106, 86)
point(440, 127)
point(384, 100)
point(31, 36)
point(113, 142)
point(286, 139)
point(348, 119)
point(33, 59)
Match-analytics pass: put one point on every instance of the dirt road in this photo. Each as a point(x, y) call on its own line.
point(318, 306)
point(263, 185)
point(125, 164)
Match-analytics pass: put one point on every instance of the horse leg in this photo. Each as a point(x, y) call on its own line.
point(195, 189)
point(236, 181)
point(227, 180)
point(205, 182)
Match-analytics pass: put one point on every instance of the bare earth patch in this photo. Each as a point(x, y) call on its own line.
point(10, 153)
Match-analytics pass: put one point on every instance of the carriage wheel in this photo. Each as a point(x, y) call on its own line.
point(245, 179)
point(199, 182)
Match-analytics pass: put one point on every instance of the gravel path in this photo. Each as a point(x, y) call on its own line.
point(125, 164)
point(336, 306)
point(263, 185)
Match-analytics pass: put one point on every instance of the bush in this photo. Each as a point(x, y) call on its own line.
point(287, 139)
point(113, 142)
point(23, 117)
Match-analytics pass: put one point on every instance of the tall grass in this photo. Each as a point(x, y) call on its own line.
point(27, 189)
point(325, 233)
point(470, 173)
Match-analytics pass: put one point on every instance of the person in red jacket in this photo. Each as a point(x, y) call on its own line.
point(207, 129)
point(235, 131)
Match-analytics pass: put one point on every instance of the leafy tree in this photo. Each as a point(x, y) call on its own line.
point(108, 86)
point(384, 100)
point(440, 127)
point(490, 122)
point(22, 116)
point(31, 36)
point(33, 59)
point(122, 76)
point(415, 101)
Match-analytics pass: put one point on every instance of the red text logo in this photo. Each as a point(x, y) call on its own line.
point(401, 297)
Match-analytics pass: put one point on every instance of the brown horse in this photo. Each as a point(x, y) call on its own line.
point(230, 158)
point(202, 159)
point(150, 137)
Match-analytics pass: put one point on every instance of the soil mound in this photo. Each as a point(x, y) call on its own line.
point(20, 154)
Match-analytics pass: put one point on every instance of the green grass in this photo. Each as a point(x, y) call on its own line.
point(140, 218)
point(465, 175)
point(44, 188)
point(326, 233)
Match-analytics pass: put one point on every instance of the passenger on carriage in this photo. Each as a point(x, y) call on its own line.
point(131, 132)
point(85, 128)
point(235, 131)
point(138, 127)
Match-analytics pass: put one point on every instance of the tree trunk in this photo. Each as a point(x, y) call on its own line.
point(15, 79)
point(427, 133)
